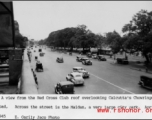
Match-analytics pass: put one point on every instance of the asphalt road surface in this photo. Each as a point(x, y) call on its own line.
point(105, 76)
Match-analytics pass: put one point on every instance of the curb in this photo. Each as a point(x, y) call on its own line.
point(142, 70)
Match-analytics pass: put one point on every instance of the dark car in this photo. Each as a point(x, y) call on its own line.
point(79, 58)
point(122, 61)
point(40, 50)
point(145, 82)
point(101, 58)
point(64, 87)
point(39, 67)
point(60, 60)
point(42, 54)
point(70, 53)
point(89, 55)
point(86, 61)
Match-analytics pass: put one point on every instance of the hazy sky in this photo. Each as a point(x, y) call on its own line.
point(39, 18)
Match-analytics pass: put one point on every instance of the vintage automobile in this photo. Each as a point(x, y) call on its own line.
point(89, 55)
point(76, 78)
point(145, 82)
point(60, 60)
point(64, 87)
point(94, 56)
point(122, 61)
point(81, 70)
point(36, 57)
point(101, 58)
point(86, 61)
point(70, 53)
point(79, 58)
point(40, 50)
point(39, 67)
point(42, 54)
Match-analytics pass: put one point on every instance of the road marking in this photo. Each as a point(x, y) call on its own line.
point(112, 84)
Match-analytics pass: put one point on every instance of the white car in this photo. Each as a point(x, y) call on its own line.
point(76, 78)
point(94, 56)
point(82, 71)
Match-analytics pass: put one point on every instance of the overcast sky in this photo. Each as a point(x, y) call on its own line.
point(39, 18)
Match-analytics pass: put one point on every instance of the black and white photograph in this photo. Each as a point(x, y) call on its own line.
point(76, 48)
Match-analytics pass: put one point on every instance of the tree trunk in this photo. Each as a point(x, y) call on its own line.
point(147, 58)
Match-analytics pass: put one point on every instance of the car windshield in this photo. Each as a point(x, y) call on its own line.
point(78, 76)
point(81, 69)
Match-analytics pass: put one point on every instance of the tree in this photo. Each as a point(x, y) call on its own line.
point(113, 39)
point(139, 32)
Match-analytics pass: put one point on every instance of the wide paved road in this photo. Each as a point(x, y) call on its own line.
point(106, 78)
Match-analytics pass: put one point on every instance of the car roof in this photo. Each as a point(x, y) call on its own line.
point(76, 73)
point(86, 58)
point(66, 83)
point(77, 67)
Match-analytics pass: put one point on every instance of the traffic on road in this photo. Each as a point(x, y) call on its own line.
point(73, 73)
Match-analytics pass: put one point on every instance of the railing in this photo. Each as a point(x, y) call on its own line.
point(27, 83)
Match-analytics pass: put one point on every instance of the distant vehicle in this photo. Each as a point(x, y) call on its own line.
point(101, 58)
point(94, 56)
point(89, 55)
point(40, 50)
point(79, 58)
point(60, 60)
point(70, 53)
point(64, 87)
point(86, 62)
point(76, 78)
point(122, 61)
point(145, 82)
point(36, 57)
point(81, 70)
point(39, 67)
point(42, 54)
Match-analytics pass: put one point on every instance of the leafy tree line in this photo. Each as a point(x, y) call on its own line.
point(78, 37)
point(137, 37)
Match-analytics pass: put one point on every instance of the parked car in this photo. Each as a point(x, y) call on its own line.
point(89, 55)
point(79, 58)
point(60, 60)
point(64, 87)
point(122, 61)
point(76, 78)
point(81, 70)
point(70, 53)
point(101, 58)
point(40, 50)
point(145, 82)
point(86, 62)
point(39, 67)
point(94, 56)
